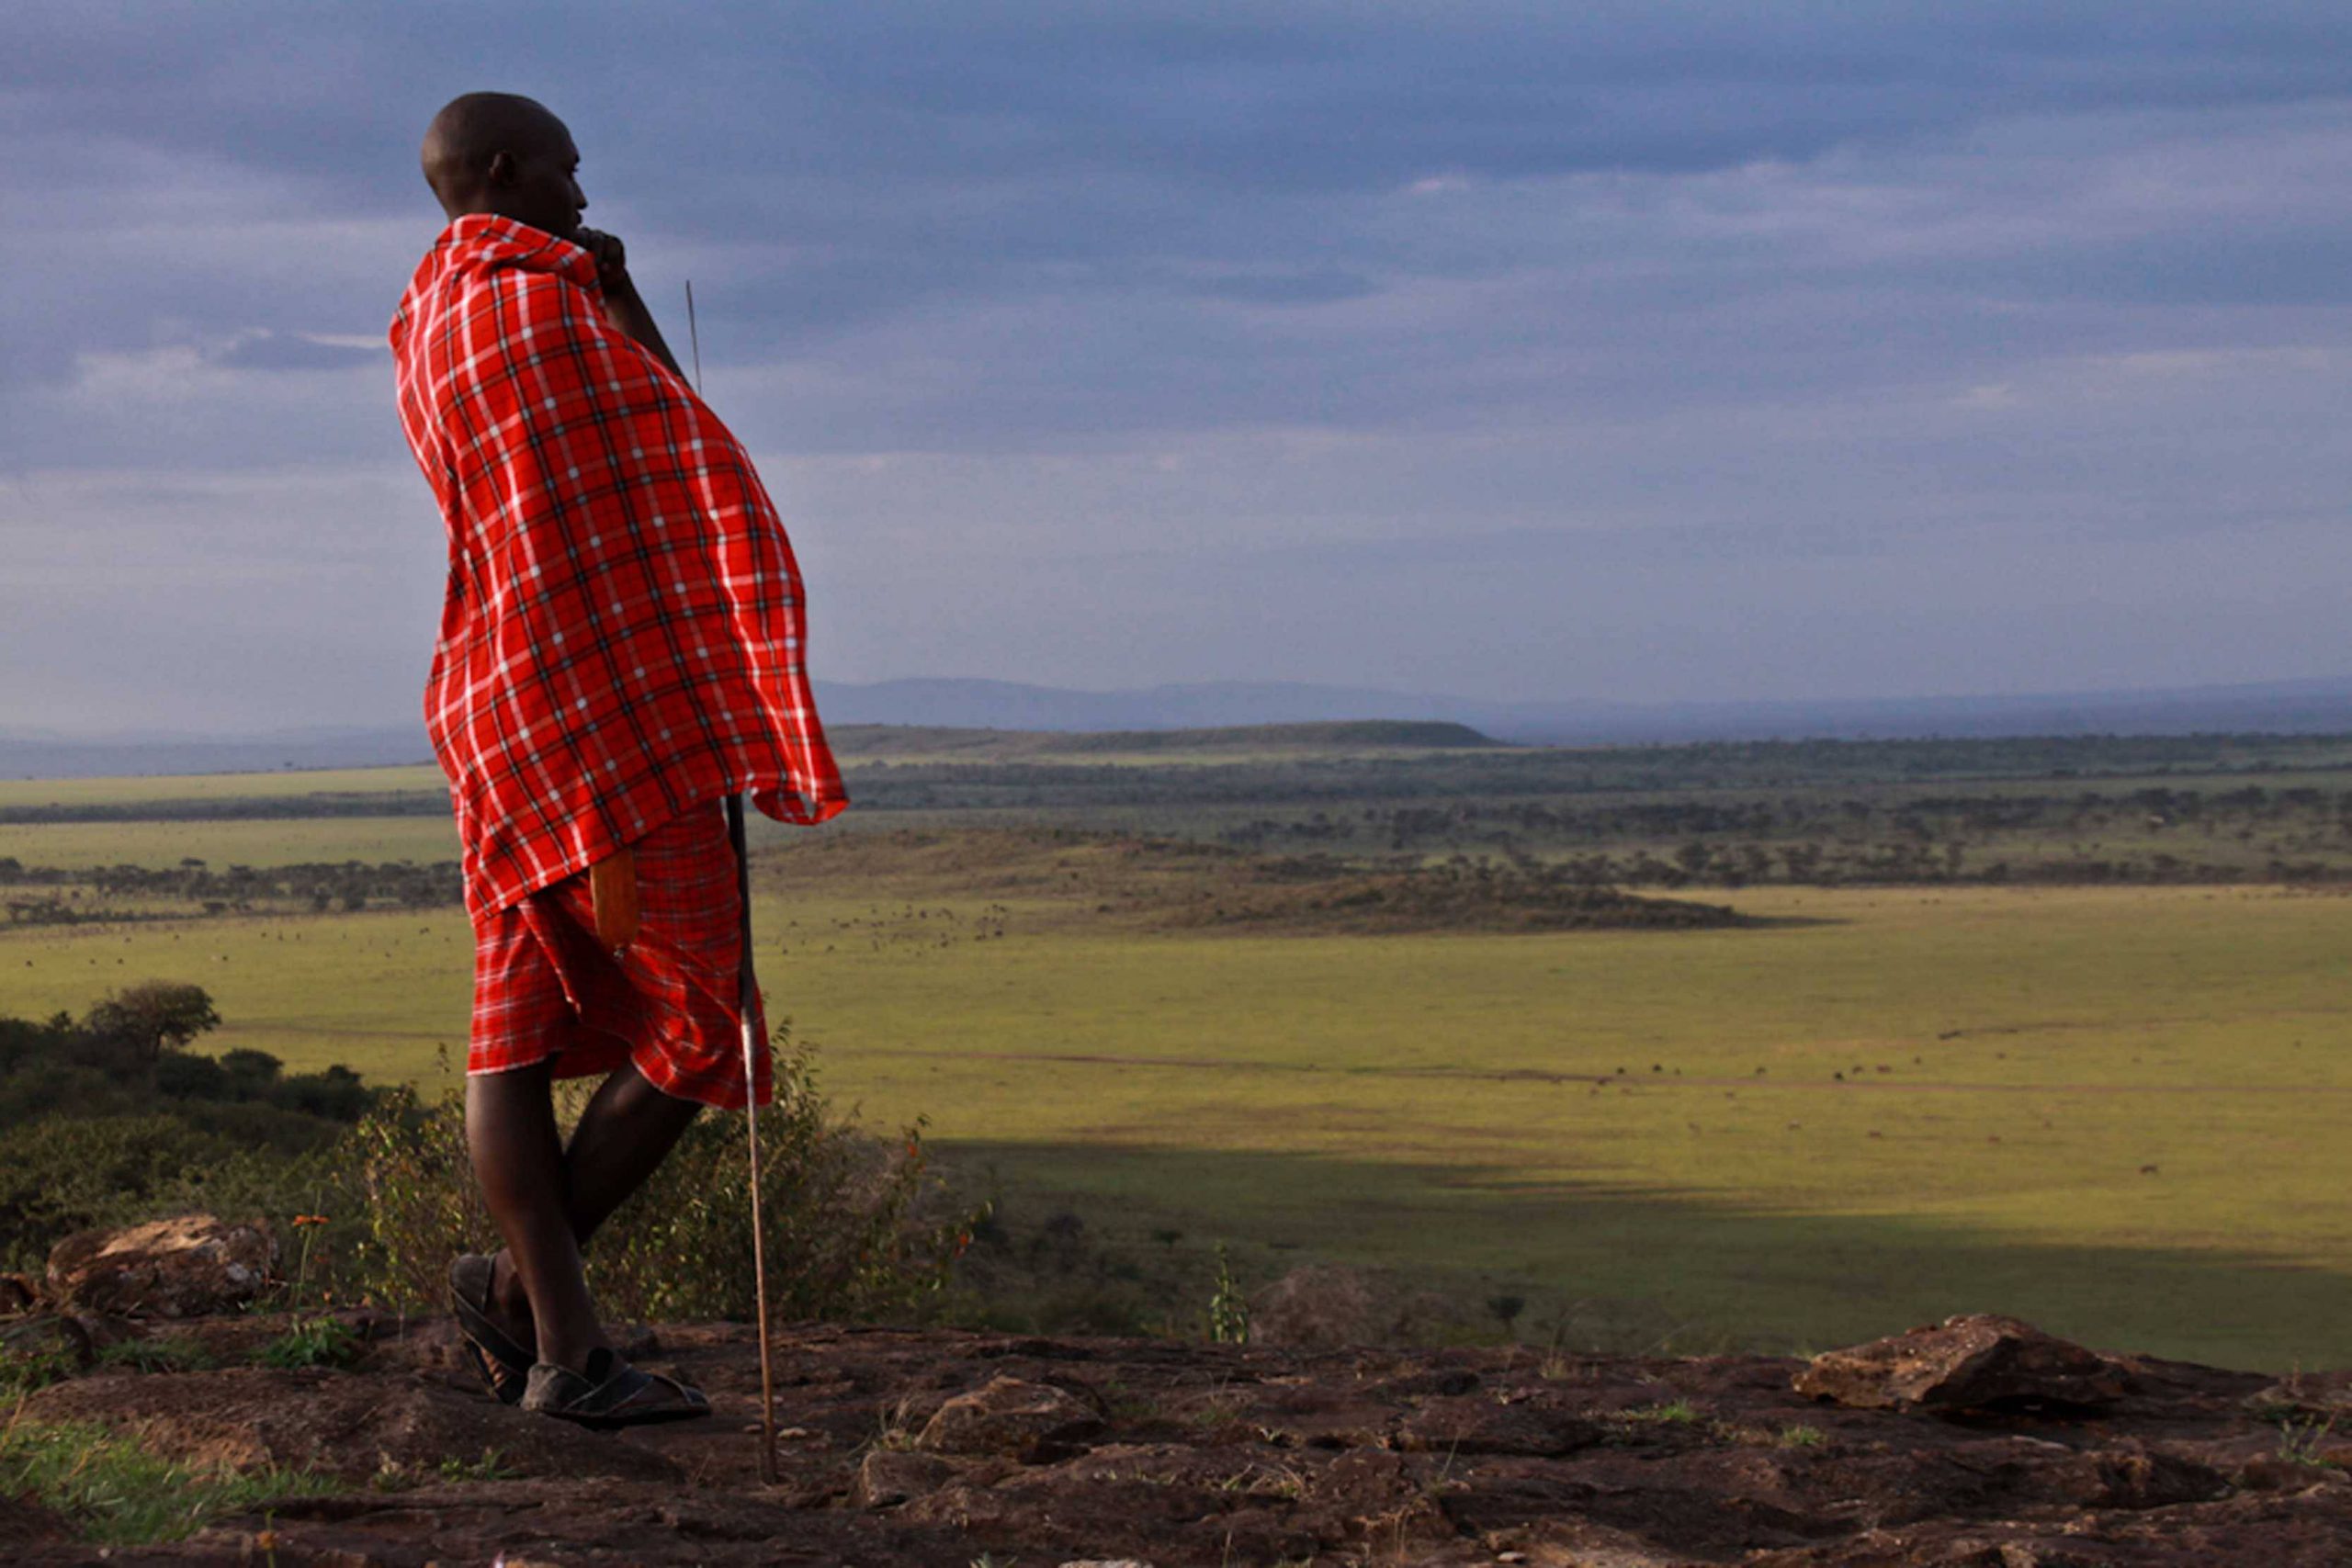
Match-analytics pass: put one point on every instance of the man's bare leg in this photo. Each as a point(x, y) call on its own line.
point(518, 1159)
point(626, 1130)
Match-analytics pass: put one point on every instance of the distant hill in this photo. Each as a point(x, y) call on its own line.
point(1125, 721)
point(935, 741)
point(2321, 707)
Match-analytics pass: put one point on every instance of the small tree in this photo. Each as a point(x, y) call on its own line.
point(154, 1016)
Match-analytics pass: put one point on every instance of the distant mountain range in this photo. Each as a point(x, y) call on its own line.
point(2278, 706)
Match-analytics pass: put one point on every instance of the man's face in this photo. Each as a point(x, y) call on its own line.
point(540, 182)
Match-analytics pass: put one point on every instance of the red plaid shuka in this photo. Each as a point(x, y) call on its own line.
point(545, 988)
point(622, 635)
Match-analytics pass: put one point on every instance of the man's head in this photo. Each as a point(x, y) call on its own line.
point(499, 154)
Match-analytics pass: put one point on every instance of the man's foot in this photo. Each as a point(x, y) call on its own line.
point(503, 1356)
point(610, 1393)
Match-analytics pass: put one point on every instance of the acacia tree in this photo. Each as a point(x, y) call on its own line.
point(154, 1016)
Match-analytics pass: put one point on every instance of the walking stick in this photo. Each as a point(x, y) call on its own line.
point(747, 1003)
point(747, 999)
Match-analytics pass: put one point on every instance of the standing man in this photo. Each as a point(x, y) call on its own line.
point(620, 649)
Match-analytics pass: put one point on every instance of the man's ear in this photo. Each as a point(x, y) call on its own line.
point(501, 170)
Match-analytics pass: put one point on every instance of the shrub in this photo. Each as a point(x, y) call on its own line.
point(66, 1174)
point(856, 1227)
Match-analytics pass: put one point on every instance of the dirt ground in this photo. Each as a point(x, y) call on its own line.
point(902, 1446)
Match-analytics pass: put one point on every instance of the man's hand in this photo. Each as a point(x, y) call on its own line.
point(612, 258)
point(623, 307)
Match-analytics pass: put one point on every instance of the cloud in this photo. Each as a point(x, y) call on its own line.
point(1048, 319)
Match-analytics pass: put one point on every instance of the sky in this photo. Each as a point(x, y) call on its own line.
point(1643, 352)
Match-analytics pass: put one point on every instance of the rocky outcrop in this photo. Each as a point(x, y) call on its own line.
point(1979, 1362)
point(1008, 1417)
point(920, 1448)
point(194, 1266)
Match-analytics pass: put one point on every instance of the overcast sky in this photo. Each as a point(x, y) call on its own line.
point(1636, 351)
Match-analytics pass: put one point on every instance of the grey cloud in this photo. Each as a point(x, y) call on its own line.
point(1658, 345)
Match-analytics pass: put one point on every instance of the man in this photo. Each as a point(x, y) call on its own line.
point(620, 648)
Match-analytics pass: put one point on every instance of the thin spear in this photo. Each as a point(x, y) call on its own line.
point(747, 999)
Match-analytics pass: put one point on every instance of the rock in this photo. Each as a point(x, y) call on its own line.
point(1027, 1421)
point(1976, 1362)
point(2313, 1396)
point(1477, 1426)
point(194, 1266)
point(78, 1336)
point(890, 1476)
point(1327, 1306)
point(2132, 1476)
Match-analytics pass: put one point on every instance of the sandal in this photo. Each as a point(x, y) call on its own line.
point(503, 1362)
point(611, 1394)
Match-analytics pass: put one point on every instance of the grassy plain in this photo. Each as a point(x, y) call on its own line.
point(1879, 1106)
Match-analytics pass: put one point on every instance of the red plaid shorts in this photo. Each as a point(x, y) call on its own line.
point(545, 988)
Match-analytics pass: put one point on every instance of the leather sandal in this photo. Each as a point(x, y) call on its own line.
point(503, 1361)
point(610, 1395)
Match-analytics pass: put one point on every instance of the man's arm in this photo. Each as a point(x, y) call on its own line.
point(624, 307)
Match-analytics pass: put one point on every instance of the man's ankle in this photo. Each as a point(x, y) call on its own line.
point(506, 1292)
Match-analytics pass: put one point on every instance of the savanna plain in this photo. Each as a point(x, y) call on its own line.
point(1772, 1046)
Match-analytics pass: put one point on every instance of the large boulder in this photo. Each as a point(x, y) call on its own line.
point(1976, 1362)
point(1008, 1417)
point(194, 1266)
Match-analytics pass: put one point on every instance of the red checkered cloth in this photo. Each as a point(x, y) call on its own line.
point(544, 987)
point(622, 633)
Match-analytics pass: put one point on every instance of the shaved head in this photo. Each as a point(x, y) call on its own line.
point(505, 154)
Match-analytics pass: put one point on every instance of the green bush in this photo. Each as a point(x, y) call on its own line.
point(856, 1227)
point(68, 1173)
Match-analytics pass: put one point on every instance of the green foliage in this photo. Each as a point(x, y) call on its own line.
point(106, 1120)
point(119, 1494)
point(312, 1342)
point(853, 1223)
point(24, 1370)
point(856, 1227)
point(1674, 1412)
point(490, 1466)
point(1228, 1305)
point(2303, 1440)
point(406, 1179)
point(66, 1174)
point(154, 1016)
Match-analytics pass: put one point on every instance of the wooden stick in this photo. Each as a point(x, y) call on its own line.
point(747, 1002)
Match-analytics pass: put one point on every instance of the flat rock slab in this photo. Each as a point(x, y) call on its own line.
point(1013, 1418)
point(1190, 1456)
point(193, 1266)
point(1979, 1362)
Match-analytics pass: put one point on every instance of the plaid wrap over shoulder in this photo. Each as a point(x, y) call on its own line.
point(622, 635)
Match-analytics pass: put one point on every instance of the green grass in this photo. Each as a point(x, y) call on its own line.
point(1880, 1107)
point(312, 1342)
point(16, 793)
point(119, 1493)
point(257, 842)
